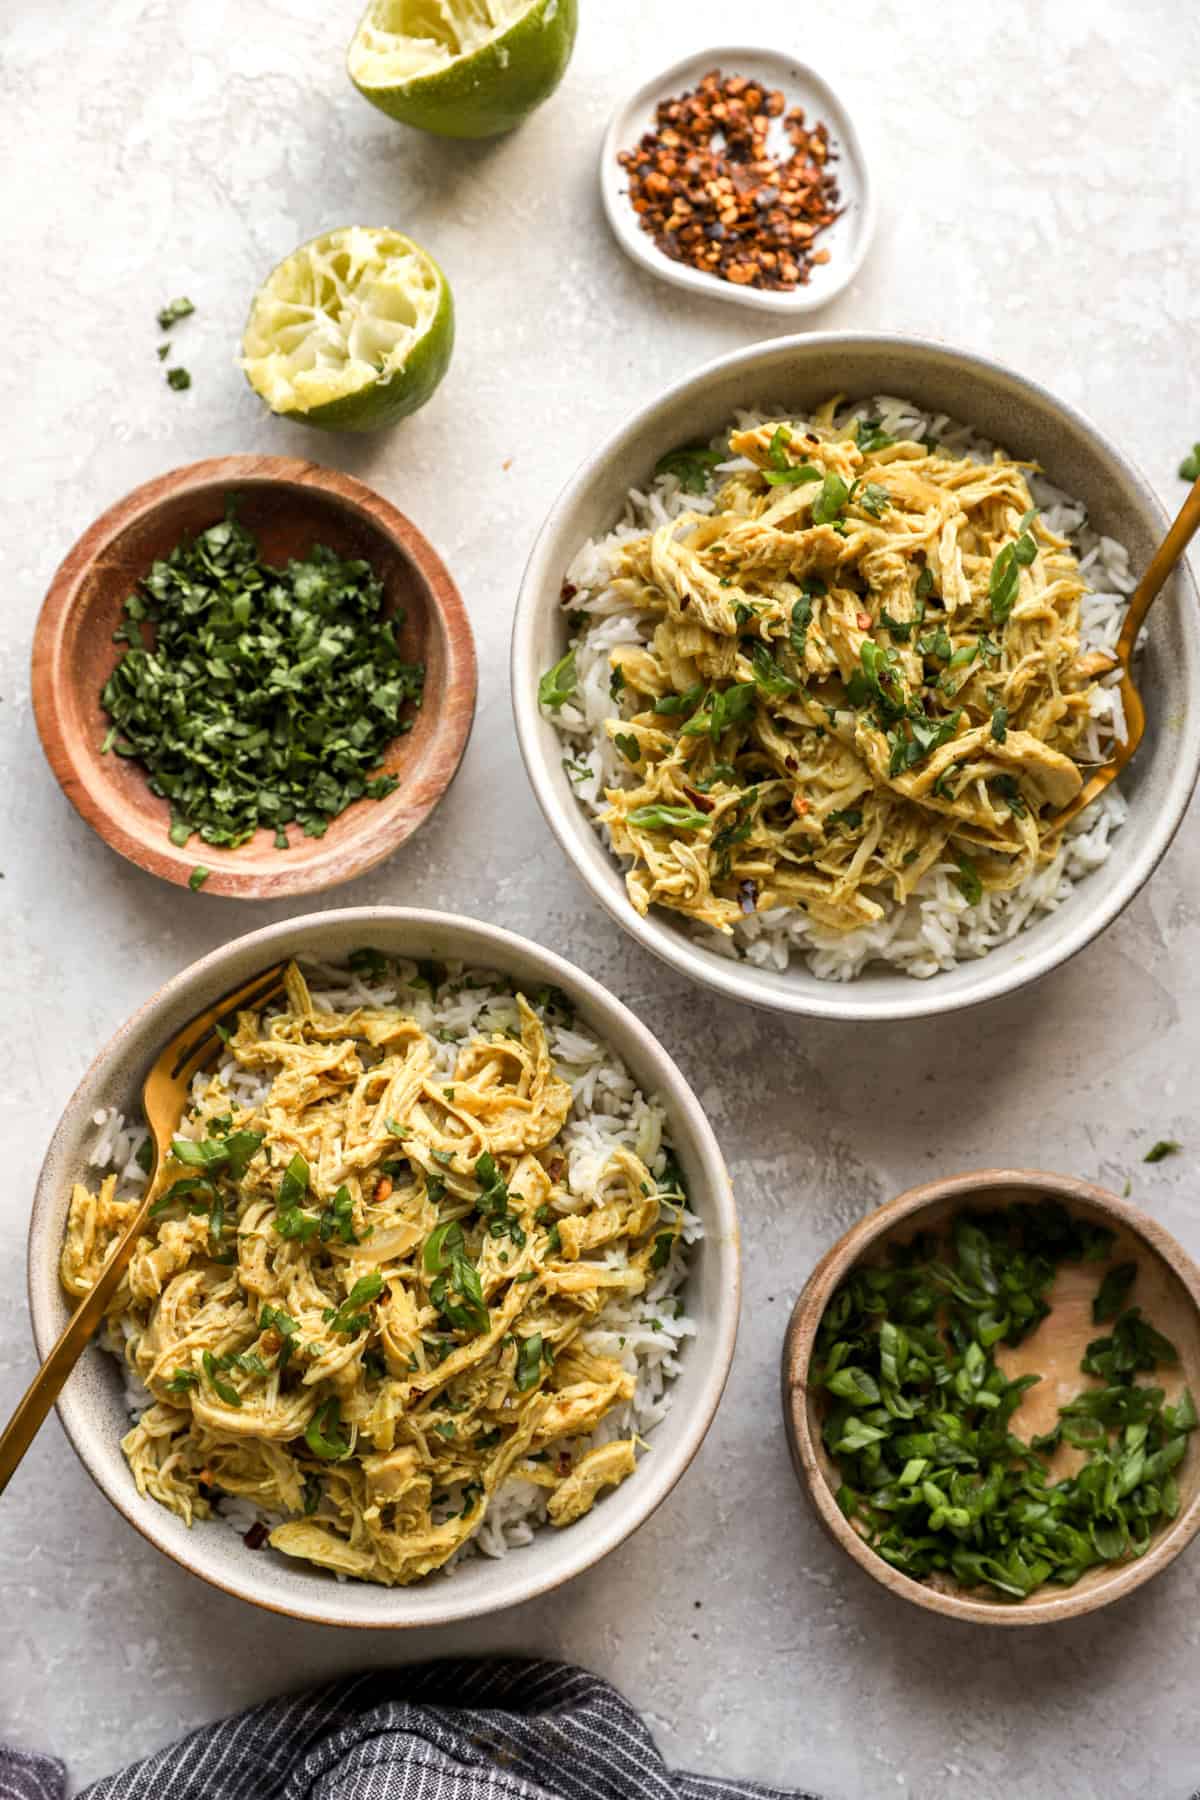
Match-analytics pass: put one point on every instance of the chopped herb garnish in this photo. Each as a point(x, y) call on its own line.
point(999, 723)
point(967, 881)
point(223, 1389)
point(178, 379)
point(347, 1319)
point(270, 695)
point(1160, 1151)
point(691, 464)
point(1189, 468)
point(628, 745)
point(870, 435)
point(558, 684)
point(173, 311)
point(1004, 582)
point(198, 877)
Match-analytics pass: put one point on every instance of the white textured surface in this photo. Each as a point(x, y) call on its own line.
point(1036, 164)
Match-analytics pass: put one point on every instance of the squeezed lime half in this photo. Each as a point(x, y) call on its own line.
point(352, 331)
point(462, 68)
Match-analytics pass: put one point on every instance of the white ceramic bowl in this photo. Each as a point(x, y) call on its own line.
point(91, 1408)
point(794, 374)
point(847, 239)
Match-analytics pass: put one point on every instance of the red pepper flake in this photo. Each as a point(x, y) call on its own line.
point(257, 1536)
point(864, 621)
point(734, 209)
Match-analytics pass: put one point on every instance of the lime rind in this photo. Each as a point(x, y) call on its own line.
point(462, 68)
point(353, 331)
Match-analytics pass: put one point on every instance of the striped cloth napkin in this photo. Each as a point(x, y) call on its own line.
point(435, 1731)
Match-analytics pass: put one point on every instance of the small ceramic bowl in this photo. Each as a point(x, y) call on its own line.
point(290, 506)
point(795, 374)
point(1167, 1290)
point(92, 1407)
point(847, 239)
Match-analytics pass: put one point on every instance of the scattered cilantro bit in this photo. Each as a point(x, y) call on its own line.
point(348, 1318)
point(270, 695)
point(163, 351)
point(173, 311)
point(871, 497)
point(224, 1390)
point(198, 877)
point(1159, 1152)
point(181, 1381)
point(801, 620)
point(1004, 582)
point(616, 681)
point(457, 1291)
point(337, 1220)
point(291, 1221)
point(178, 379)
point(870, 435)
point(371, 963)
point(967, 881)
point(691, 464)
point(849, 817)
point(558, 684)
point(1189, 468)
point(773, 681)
point(999, 723)
point(628, 745)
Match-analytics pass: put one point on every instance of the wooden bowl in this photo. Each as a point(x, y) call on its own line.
point(290, 506)
point(1167, 1290)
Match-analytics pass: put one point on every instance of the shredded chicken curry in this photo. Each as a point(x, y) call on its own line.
point(865, 660)
point(360, 1300)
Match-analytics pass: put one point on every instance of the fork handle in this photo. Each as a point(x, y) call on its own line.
point(1183, 530)
point(50, 1379)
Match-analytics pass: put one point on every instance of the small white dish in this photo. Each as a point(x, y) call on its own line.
point(847, 239)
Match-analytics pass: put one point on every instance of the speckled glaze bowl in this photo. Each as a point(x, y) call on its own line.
point(92, 1410)
point(795, 373)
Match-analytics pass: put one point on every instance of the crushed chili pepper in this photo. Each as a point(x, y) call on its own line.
point(710, 192)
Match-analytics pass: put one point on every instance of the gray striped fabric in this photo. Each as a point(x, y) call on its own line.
point(434, 1731)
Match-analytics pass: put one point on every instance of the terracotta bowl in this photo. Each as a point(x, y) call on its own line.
point(92, 1406)
point(1167, 1290)
point(290, 506)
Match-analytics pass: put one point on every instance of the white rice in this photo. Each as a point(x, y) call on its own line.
point(645, 1332)
point(937, 927)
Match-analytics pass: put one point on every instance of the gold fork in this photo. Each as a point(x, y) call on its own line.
point(164, 1099)
point(1147, 591)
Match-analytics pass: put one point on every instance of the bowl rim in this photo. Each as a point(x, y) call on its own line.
point(846, 1002)
point(640, 248)
point(635, 1503)
point(1065, 1603)
point(324, 864)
